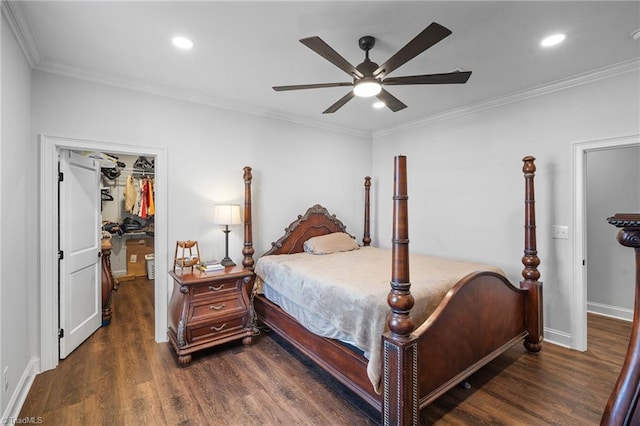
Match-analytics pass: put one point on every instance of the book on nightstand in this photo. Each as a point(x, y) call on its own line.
point(210, 266)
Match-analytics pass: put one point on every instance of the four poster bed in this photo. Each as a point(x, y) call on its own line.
point(418, 347)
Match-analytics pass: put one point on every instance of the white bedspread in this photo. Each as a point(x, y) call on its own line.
point(344, 295)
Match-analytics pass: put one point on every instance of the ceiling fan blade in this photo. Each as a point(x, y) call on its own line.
point(310, 86)
point(340, 103)
point(427, 38)
point(390, 101)
point(456, 77)
point(323, 49)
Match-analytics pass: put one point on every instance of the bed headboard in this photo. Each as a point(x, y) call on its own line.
point(316, 221)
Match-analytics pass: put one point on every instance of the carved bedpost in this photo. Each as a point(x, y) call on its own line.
point(623, 404)
point(400, 299)
point(247, 250)
point(366, 239)
point(530, 260)
point(400, 387)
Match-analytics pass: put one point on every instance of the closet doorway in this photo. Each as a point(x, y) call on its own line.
point(50, 147)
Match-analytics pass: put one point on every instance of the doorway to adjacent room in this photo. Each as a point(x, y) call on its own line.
point(581, 151)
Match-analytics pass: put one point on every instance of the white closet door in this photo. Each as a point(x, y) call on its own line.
point(80, 268)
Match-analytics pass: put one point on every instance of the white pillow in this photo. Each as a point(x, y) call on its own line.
point(330, 243)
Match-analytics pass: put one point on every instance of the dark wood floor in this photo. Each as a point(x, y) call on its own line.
point(121, 376)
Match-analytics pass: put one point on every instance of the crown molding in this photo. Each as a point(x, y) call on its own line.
point(14, 16)
point(609, 71)
point(183, 95)
point(632, 65)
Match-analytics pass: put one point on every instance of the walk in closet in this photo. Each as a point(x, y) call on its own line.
point(128, 210)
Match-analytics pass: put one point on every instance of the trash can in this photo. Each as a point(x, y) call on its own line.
point(151, 266)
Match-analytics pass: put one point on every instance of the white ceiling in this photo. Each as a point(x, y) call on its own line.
point(242, 49)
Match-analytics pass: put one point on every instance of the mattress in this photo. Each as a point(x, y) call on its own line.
point(343, 295)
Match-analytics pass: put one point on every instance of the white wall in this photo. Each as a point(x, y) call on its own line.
point(294, 166)
point(466, 187)
point(18, 227)
point(613, 179)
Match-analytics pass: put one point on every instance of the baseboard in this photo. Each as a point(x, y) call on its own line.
point(610, 311)
point(119, 273)
point(557, 337)
point(11, 413)
point(561, 338)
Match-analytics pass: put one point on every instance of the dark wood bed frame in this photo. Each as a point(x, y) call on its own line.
point(481, 317)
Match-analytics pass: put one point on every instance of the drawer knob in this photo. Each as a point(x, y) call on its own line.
point(217, 308)
point(220, 287)
point(214, 328)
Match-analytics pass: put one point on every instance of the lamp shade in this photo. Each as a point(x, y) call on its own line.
point(226, 214)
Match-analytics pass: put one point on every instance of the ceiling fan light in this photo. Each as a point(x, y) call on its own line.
point(553, 40)
point(183, 43)
point(367, 87)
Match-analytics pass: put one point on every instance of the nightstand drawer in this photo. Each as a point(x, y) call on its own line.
point(216, 288)
point(228, 304)
point(218, 328)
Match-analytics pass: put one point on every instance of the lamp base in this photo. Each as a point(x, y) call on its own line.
point(227, 262)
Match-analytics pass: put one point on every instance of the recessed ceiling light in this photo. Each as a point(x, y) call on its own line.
point(182, 42)
point(552, 40)
point(378, 105)
point(636, 34)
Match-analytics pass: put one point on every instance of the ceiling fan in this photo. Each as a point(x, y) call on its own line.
point(369, 77)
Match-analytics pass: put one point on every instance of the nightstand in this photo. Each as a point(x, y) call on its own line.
point(208, 309)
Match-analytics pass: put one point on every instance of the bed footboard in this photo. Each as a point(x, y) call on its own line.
point(480, 318)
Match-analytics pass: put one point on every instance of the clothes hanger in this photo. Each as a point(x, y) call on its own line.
point(105, 196)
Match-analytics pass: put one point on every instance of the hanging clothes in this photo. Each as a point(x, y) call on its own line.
point(144, 192)
point(129, 195)
point(152, 205)
point(136, 208)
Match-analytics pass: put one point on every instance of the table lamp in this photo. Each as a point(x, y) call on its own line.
point(226, 214)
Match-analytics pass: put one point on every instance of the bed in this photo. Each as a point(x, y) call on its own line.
point(419, 358)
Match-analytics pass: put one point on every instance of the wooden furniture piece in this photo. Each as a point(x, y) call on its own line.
point(186, 261)
point(208, 309)
point(480, 318)
point(108, 281)
point(623, 405)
